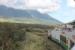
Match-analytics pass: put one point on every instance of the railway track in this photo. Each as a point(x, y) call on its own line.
point(54, 45)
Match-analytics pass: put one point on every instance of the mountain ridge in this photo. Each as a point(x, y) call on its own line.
point(24, 15)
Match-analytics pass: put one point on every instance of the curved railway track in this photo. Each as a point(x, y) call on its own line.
point(53, 45)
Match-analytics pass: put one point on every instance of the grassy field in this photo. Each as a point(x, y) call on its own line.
point(34, 41)
point(15, 36)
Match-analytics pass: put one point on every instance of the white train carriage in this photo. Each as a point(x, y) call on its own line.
point(64, 36)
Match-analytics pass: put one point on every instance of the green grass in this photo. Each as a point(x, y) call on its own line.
point(34, 42)
point(35, 37)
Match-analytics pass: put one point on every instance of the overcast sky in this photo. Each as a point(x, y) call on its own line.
point(63, 10)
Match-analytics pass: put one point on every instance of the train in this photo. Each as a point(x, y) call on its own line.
point(64, 35)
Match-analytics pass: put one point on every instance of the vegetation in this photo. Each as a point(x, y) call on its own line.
point(15, 36)
point(11, 36)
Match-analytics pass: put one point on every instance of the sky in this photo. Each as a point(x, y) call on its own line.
point(62, 10)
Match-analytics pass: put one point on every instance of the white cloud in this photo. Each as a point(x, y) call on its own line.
point(71, 3)
point(7, 2)
point(3, 2)
point(42, 5)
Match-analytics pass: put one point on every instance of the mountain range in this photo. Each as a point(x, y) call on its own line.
point(8, 14)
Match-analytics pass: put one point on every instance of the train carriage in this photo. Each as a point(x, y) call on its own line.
point(64, 35)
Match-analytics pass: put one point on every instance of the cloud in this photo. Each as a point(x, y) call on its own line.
point(7, 2)
point(71, 3)
point(3, 2)
point(41, 5)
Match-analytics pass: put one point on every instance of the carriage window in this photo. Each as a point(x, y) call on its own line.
point(63, 39)
point(71, 44)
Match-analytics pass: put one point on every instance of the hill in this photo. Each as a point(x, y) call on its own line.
point(25, 16)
